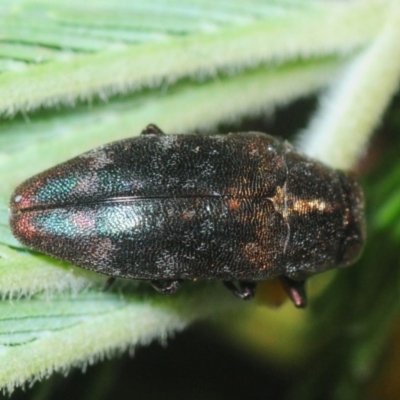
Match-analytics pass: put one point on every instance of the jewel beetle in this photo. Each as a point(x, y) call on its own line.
point(239, 208)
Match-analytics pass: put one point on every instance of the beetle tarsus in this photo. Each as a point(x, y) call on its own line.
point(152, 129)
point(246, 290)
point(295, 290)
point(167, 286)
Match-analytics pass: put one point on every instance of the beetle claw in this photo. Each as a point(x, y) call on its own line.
point(295, 290)
point(246, 290)
point(167, 286)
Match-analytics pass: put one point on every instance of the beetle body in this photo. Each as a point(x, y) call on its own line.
point(166, 208)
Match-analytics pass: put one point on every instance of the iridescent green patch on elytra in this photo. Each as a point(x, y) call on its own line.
point(55, 189)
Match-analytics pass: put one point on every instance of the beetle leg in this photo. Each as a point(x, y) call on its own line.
point(110, 281)
point(152, 129)
point(246, 290)
point(295, 290)
point(167, 286)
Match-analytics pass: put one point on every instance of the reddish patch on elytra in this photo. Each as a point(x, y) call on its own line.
point(24, 227)
point(82, 220)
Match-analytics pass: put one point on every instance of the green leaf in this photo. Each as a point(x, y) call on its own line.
point(44, 334)
point(355, 104)
point(196, 43)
